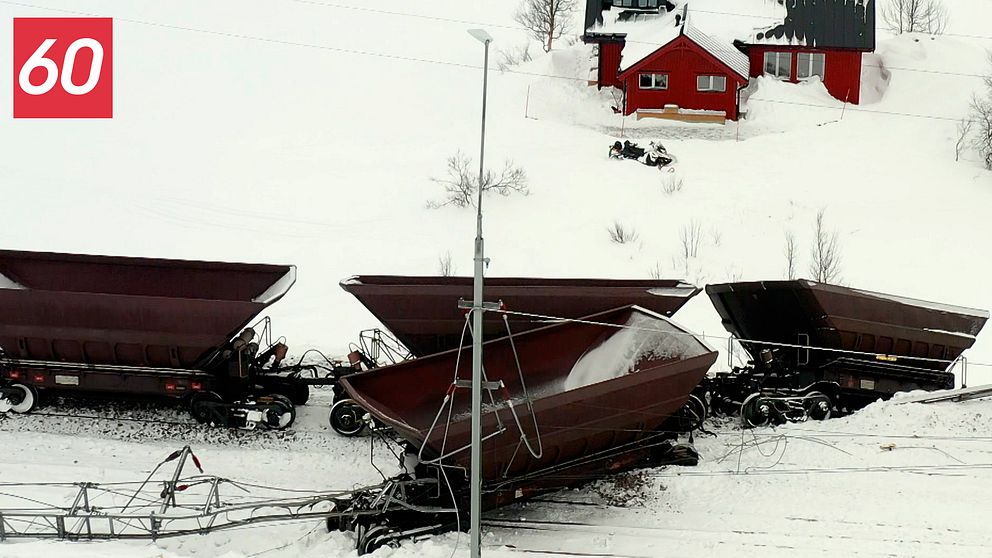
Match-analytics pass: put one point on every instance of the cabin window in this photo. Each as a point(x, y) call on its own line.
point(810, 64)
point(654, 81)
point(779, 64)
point(711, 83)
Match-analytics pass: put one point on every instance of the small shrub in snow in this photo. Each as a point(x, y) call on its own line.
point(622, 234)
point(824, 265)
point(445, 267)
point(506, 59)
point(655, 271)
point(461, 184)
point(717, 236)
point(915, 16)
point(546, 20)
point(672, 184)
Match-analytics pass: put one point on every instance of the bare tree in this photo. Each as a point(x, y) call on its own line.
point(981, 114)
point(790, 255)
point(964, 134)
point(824, 265)
point(915, 16)
point(547, 20)
point(622, 234)
point(981, 118)
point(445, 266)
point(690, 235)
point(461, 183)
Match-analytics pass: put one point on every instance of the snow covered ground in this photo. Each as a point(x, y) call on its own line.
point(891, 480)
point(306, 132)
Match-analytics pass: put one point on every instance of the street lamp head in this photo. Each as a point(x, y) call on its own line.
point(481, 35)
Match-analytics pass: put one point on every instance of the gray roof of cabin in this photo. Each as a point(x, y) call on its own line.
point(848, 24)
point(823, 24)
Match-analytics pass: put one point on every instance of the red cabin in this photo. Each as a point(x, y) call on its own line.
point(684, 73)
point(650, 50)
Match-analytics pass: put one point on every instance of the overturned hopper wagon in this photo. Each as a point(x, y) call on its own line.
point(845, 346)
point(423, 313)
point(587, 399)
point(135, 326)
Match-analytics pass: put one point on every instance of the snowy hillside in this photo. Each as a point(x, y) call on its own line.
point(306, 132)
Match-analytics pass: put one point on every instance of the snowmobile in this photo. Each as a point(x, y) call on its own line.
point(655, 156)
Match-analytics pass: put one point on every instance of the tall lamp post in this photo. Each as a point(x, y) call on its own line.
point(475, 510)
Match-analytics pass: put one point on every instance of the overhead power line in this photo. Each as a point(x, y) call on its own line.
point(520, 28)
point(422, 60)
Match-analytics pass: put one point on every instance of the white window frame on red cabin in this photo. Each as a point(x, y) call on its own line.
point(655, 78)
point(778, 64)
point(809, 66)
point(708, 83)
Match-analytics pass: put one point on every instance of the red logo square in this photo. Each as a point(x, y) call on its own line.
point(63, 67)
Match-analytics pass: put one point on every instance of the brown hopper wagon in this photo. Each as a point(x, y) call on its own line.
point(423, 313)
point(139, 326)
point(817, 348)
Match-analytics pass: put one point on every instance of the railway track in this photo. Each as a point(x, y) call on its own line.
point(588, 534)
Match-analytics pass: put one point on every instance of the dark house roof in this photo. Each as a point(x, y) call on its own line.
point(594, 9)
point(841, 24)
point(848, 24)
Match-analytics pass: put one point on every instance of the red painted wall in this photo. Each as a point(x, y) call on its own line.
point(609, 64)
point(841, 70)
point(682, 60)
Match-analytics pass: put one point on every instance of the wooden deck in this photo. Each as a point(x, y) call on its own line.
point(675, 113)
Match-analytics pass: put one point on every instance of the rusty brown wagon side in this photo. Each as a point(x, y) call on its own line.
point(611, 422)
point(423, 313)
point(122, 324)
point(128, 311)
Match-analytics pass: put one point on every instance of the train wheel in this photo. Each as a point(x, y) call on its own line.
point(374, 538)
point(755, 411)
point(817, 405)
point(691, 416)
point(20, 399)
point(281, 414)
point(201, 406)
point(346, 418)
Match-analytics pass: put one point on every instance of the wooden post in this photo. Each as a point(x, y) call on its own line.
point(527, 103)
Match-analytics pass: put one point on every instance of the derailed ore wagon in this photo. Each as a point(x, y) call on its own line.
point(816, 349)
point(565, 404)
point(144, 327)
point(422, 313)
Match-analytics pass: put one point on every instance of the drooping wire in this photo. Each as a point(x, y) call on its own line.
point(536, 454)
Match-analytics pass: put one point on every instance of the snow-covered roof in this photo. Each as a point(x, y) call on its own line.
point(646, 35)
point(723, 50)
